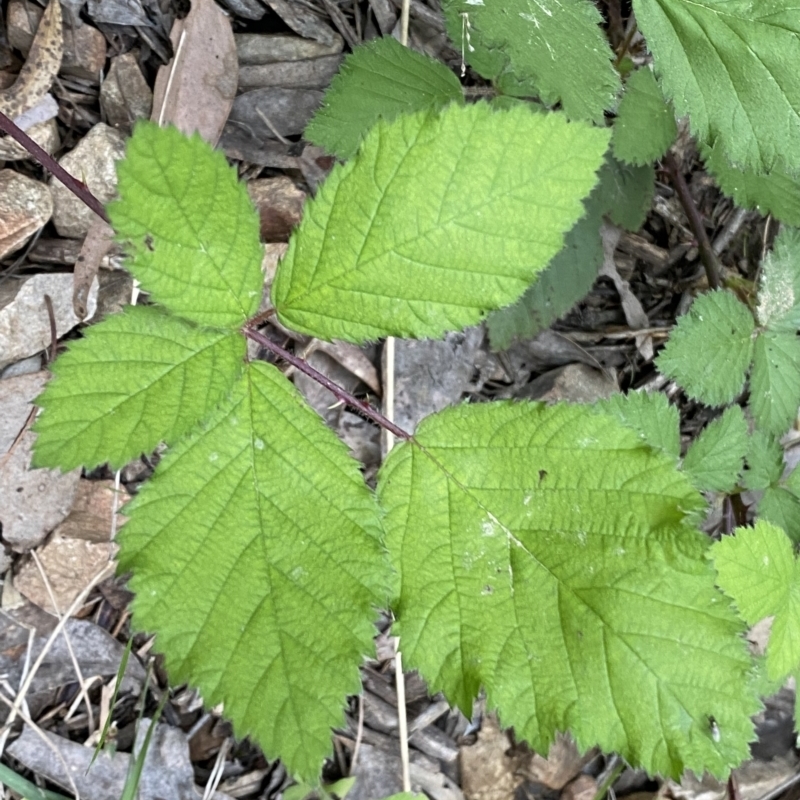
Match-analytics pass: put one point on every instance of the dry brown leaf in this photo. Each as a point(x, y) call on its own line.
point(195, 90)
point(95, 246)
point(41, 67)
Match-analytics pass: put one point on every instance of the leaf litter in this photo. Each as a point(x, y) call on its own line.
point(600, 328)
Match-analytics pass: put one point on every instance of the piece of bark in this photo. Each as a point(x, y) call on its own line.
point(91, 517)
point(195, 91)
point(96, 245)
point(280, 206)
point(303, 21)
point(263, 113)
point(313, 73)
point(124, 95)
point(25, 206)
point(246, 9)
point(270, 48)
point(384, 14)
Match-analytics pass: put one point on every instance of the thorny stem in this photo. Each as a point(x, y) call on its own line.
point(79, 189)
point(303, 366)
point(707, 254)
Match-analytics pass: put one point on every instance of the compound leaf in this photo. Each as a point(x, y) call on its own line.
point(533, 43)
point(136, 379)
point(731, 66)
point(256, 556)
point(191, 230)
point(438, 219)
point(776, 193)
point(779, 293)
point(651, 415)
point(715, 459)
point(775, 381)
point(645, 125)
point(630, 191)
point(764, 461)
point(782, 508)
point(715, 372)
point(757, 568)
point(573, 590)
point(381, 79)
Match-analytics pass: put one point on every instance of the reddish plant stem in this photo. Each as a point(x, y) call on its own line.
point(367, 410)
point(707, 254)
point(79, 189)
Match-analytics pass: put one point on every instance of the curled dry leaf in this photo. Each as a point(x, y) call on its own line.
point(40, 68)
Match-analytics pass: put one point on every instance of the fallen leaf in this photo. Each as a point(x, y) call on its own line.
point(95, 246)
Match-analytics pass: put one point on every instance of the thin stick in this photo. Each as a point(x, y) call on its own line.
point(404, 22)
point(367, 410)
point(79, 189)
point(402, 718)
point(707, 254)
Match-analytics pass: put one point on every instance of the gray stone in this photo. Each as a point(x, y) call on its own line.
point(271, 48)
point(25, 206)
point(124, 94)
point(574, 383)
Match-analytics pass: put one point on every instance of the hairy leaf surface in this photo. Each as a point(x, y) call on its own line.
point(715, 459)
point(782, 508)
point(533, 43)
point(651, 415)
point(775, 381)
point(381, 79)
point(764, 461)
point(757, 568)
point(645, 125)
point(136, 379)
point(715, 372)
point(440, 218)
point(731, 65)
point(779, 292)
point(190, 228)
point(257, 558)
point(544, 553)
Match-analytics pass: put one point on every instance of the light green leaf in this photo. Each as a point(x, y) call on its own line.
point(256, 557)
point(776, 193)
point(775, 381)
point(574, 591)
point(651, 415)
point(782, 508)
point(715, 459)
point(189, 226)
point(645, 125)
point(715, 372)
point(757, 568)
point(381, 79)
point(731, 66)
point(440, 218)
point(779, 292)
point(136, 379)
point(535, 44)
point(764, 461)
point(623, 192)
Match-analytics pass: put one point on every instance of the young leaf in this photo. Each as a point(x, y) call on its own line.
point(191, 229)
point(779, 293)
point(715, 459)
point(381, 79)
point(776, 193)
point(651, 415)
point(532, 566)
point(782, 508)
point(764, 461)
point(645, 125)
point(621, 192)
point(775, 381)
point(136, 379)
point(256, 557)
point(757, 568)
point(731, 66)
point(440, 218)
point(714, 373)
point(540, 41)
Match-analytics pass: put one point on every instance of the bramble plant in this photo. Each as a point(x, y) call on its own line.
point(549, 554)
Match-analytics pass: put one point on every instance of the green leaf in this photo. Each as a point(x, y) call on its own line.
point(651, 415)
point(757, 568)
point(536, 46)
point(574, 591)
point(256, 557)
point(731, 66)
point(381, 79)
point(440, 218)
point(714, 373)
point(782, 508)
point(645, 125)
point(775, 381)
point(622, 192)
point(136, 379)
point(776, 193)
point(779, 292)
point(715, 459)
point(189, 226)
point(764, 461)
